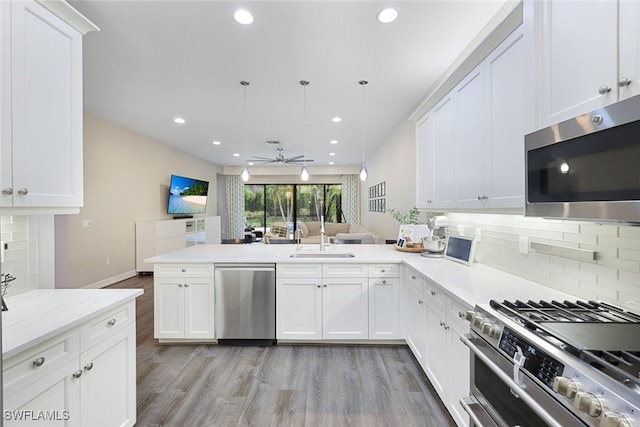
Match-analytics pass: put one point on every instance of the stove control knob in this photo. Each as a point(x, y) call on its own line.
point(477, 321)
point(469, 315)
point(614, 419)
point(567, 387)
point(589, 403)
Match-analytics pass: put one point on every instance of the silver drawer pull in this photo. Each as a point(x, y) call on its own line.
point(77, 374)
point(413, 277)
point(88, 366)
point(420, 301)
point(604, 89)
point(461, 315)
point(23, 191)
point(186, 285)
point(7, 191)
point(184, 270)
point(382, 270)
point(433, 293)
point(38, 362)
point(624, 82)
point(111, 322)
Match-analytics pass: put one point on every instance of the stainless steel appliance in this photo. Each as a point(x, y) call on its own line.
point(554, 364)
point(435, 242)
point(586, 167)
point(245, 303)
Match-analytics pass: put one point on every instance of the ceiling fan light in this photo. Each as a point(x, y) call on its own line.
point(363, 173)
point(304, 173)
point(244, 174)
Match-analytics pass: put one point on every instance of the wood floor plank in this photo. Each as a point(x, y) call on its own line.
point(282, 385)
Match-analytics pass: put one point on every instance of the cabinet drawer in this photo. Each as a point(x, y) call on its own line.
point(183, 270)
point(344, 270)
point(29, 366)
point(436, 296)
point(383, 270)
point(456, 313)
point(299, 270)
point(415, 280)
point(99, 328)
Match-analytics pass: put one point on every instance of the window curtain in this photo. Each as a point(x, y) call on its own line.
point(352, 199)
point(235, 206)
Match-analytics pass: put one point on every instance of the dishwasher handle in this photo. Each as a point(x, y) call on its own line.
point(245, 267)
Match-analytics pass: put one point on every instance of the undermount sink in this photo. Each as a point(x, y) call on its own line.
point(321, 255)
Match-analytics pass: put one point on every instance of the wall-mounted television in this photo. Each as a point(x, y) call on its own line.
point(187, 196)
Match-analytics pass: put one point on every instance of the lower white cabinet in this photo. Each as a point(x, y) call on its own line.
point(184, 302)
point(299, 308)
point(345, 308)
point(384, 309)
point(74, 380)
point(416, 335)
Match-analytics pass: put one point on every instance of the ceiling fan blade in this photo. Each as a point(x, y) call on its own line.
point(293, 159)
point(261, 158)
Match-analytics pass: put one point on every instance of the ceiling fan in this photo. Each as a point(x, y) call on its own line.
point(281, 159)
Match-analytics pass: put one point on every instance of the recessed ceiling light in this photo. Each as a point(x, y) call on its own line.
point(330, 163)
point(179, 120)
point(236, 154)
point(336, 119)
point(332, 154)
point(334, 141)
point(387, 15)
point(216, 142)
point(243, 17)
point(250, 163)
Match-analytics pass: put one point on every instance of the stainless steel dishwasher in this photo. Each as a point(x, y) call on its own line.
point(245, 304)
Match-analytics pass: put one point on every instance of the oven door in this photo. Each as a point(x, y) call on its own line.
point(497, 396)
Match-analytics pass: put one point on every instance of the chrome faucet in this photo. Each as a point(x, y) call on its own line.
point(321, 226)
point(298, 236)
point(5, 279)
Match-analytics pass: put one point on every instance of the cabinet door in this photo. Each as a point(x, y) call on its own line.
point(168, 298)
point(424, 162)
point(299, 308)
point(470, 140)
point(458, 367)
point(108, 382)
point(443, 160)
point(384, 309)
point(436, 355)
point(417, 324)
point(629, 49)
point(46, 73)
point(345, 308)
point(505, 97)
point(5, 102)
point(578, 55)
point(199, 308)
point(57, 392)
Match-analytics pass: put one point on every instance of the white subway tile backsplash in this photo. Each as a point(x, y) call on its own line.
point(22, 252)
point(614, 276)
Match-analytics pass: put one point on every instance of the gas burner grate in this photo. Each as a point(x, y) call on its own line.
point(624, 366)
point(538, 312)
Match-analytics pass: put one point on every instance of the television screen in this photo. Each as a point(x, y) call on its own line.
point(187, 196)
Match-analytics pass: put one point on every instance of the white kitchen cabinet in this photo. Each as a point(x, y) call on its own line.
point(184, 302)
point(345, 307)
point(442, 163)
point(585, 55)
point(436, 353)
point(424, 161)
point(41, 111)
point(299, 308)
point(160, 237)
point(458, 362)
point(384, 302)
point(416, 315)
point(82, 377)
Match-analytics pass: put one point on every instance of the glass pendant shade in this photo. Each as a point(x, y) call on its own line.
point(245, 174)
point(304, 173)
point(363, 173)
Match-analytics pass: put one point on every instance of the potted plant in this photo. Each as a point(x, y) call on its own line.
point(411, 230)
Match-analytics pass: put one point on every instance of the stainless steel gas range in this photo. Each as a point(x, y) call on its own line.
point(554, 364)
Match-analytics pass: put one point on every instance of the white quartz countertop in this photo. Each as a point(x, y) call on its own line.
point(38, 315)
point(471, 284)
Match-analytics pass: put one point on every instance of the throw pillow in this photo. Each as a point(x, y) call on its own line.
point(280, 231)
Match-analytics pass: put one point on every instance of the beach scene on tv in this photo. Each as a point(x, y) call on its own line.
point(187, 195)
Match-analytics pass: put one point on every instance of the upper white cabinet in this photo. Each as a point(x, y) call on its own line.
point(585, 55)
point(41, 105)
point(470, 146)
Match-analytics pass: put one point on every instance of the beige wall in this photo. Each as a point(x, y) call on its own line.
point(126, 179)
point(395, 164)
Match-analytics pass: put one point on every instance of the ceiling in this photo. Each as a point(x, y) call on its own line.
point(153, 61)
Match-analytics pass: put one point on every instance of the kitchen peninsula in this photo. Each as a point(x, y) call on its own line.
point(377, 295)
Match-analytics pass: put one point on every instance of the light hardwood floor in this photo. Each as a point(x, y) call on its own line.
point(283, 385)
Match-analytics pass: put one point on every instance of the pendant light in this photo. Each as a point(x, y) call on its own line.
point(363, 169)
point(304, 172)
point(245, 171)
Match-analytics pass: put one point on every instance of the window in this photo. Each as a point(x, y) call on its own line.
point(265, 204)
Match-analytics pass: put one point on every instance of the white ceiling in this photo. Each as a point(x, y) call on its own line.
point(153, 61)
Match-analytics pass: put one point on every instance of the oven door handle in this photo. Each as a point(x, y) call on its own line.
point(475, 412)
point(509, 381)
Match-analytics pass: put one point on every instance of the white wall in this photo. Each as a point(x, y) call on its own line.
point(126, 179)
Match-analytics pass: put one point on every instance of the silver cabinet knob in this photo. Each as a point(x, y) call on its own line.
point(184, 270)
point(429, 201)
point(420, 301)
point(88, 366)
point(441, 323)
point(597, 119)
point(111, 322)
point(324, 286)
point(23, 191)
point(179, 285)
point(413, 277)
point(433, 293)
point(318, 286)
point(7, 191)
point(461, 315)
point(604, 89)
point(186, 285)
point(38, 362)
point(624, 82)
point(483, 197)
point(77, 374)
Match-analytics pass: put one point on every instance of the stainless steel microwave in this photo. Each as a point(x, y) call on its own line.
point(586, 168)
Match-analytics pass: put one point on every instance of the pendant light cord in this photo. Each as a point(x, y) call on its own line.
point(363, 83)
point(244, 118)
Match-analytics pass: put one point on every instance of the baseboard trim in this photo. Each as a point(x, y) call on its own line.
point(111, 280)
